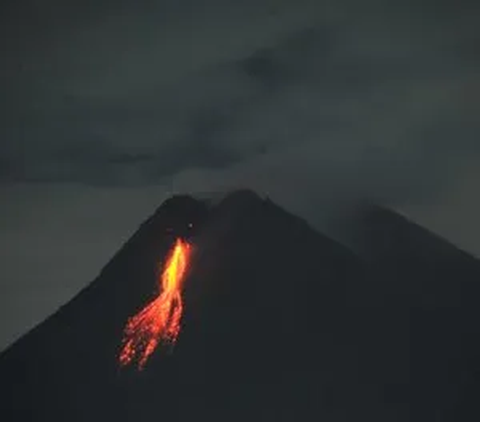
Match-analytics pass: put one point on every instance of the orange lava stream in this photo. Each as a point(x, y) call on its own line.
point(159, 321)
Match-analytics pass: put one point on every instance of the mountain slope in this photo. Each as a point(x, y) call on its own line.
point(441, 286)
point(281, 323)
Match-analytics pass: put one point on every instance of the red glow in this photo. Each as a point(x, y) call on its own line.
point(159, 321)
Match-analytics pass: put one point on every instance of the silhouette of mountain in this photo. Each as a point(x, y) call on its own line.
point(281, 323)
point(441, 286)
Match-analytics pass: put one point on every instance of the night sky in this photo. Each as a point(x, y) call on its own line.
point(110, 106)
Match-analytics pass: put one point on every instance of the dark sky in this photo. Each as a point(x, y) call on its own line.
point(108, 106)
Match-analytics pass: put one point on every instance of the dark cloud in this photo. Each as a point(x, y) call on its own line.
point(323, 85)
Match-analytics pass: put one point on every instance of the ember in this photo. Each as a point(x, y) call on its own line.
point(159, 322)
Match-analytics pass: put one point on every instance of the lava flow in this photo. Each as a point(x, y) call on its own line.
point(159, 321)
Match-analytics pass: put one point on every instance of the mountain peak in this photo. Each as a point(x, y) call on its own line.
point(382, 230)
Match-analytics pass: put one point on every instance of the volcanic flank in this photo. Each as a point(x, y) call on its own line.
point(279, 323)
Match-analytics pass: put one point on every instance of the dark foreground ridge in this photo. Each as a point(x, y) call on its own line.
point(281, 324)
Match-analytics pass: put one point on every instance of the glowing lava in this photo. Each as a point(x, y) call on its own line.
point(159, 321)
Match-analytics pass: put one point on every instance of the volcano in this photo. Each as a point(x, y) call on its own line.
point(279, 323)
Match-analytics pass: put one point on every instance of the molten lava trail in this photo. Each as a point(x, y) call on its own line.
point(159, 321)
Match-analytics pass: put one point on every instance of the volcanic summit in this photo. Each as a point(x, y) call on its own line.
point(278, 323)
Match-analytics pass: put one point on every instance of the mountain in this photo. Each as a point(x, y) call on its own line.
point(281, 323)
point(441, 286)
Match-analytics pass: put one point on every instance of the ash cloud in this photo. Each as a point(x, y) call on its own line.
point(349, 101)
